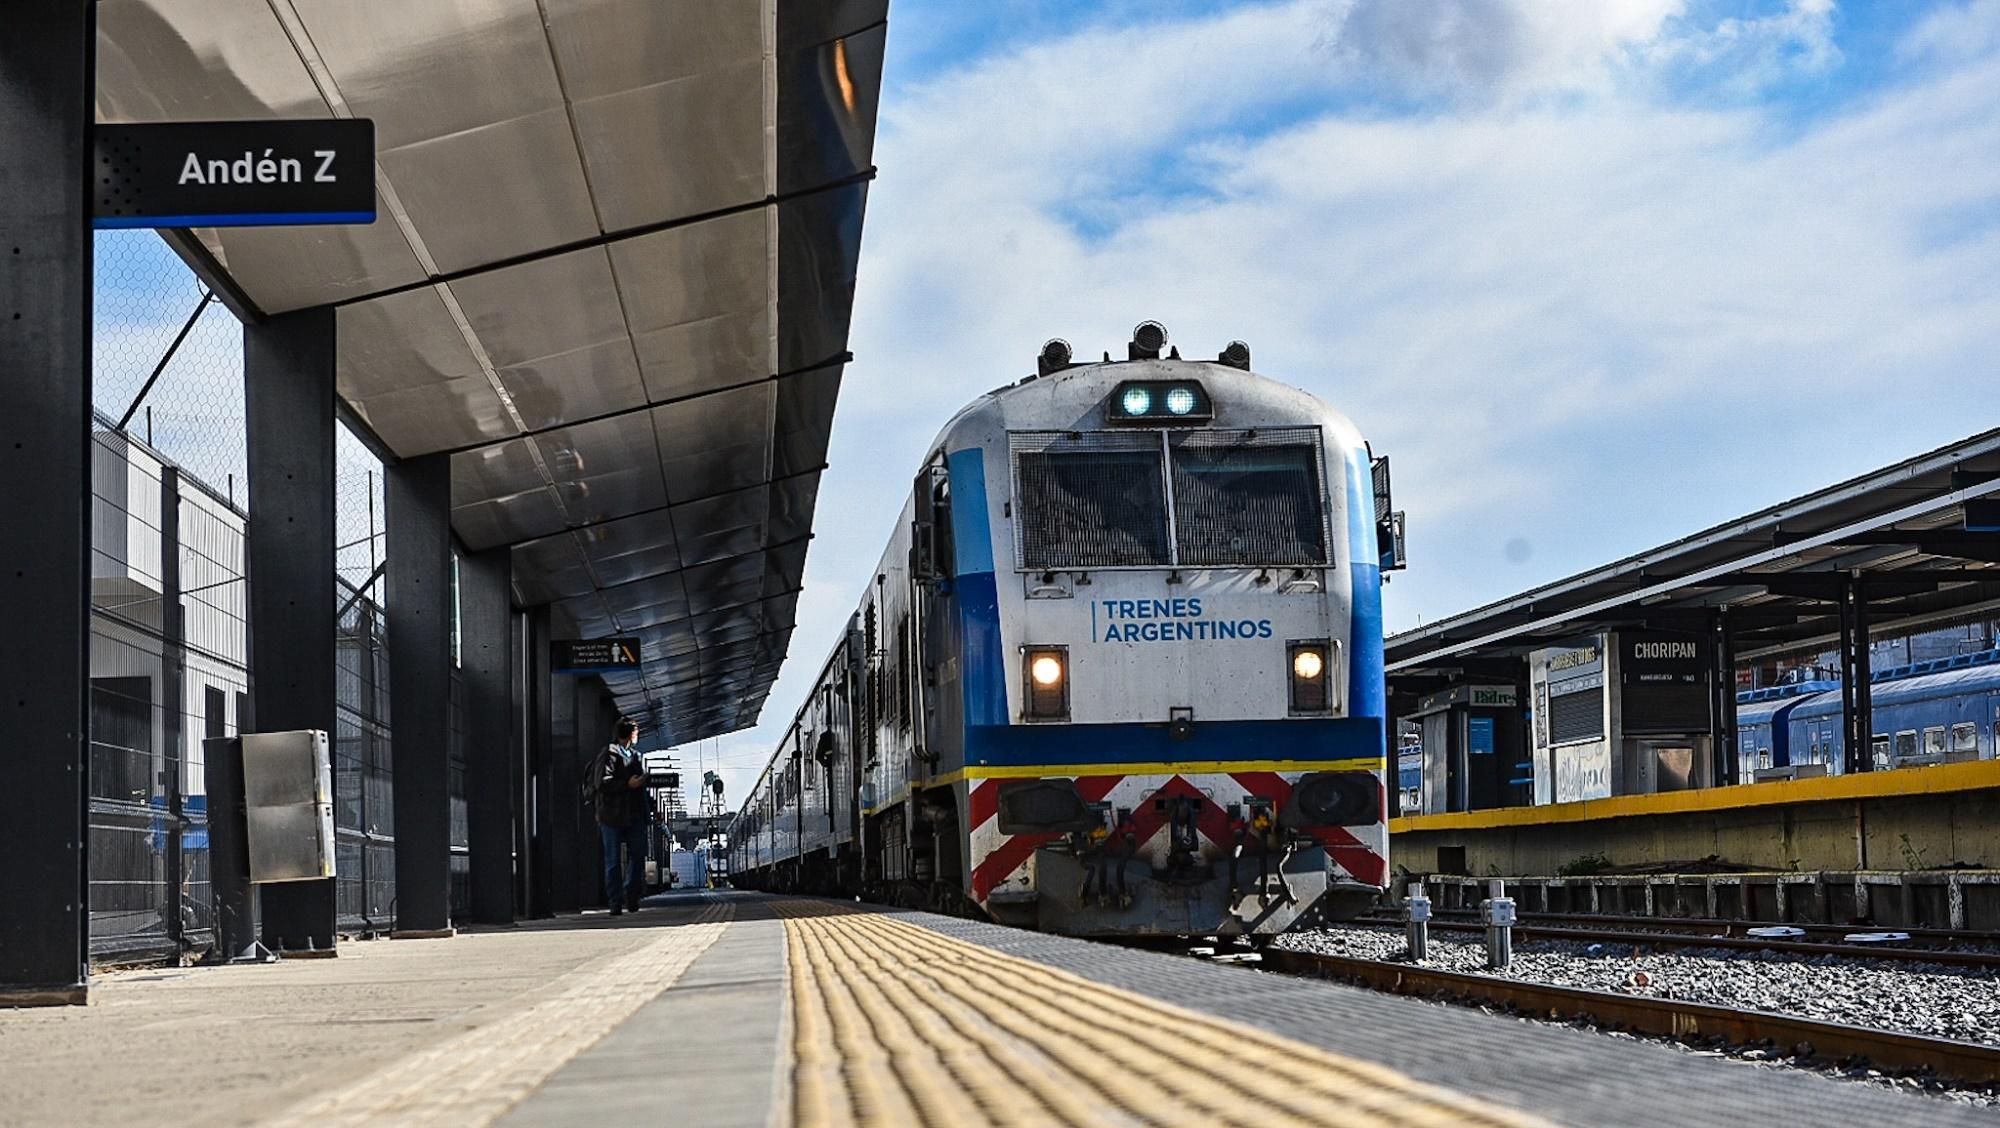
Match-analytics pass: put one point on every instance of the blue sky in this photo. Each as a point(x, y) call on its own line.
point(1594, 274)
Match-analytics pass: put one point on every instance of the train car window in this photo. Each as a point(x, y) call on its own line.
point(1906, 744)
point(1250, 502)
point(1091, 501)
point(1934, 743)
point(1965, 741)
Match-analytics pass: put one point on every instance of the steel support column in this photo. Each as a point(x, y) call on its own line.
point(420, 613)
point(567, 849)
point(173, 698)
point(288, 371)
point(46, 100)
point(538, 687)
point(1856, 706)
point(485, 614)
point(1723, 697)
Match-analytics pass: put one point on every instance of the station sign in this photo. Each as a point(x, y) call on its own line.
point(234, 173)
point(593, 655)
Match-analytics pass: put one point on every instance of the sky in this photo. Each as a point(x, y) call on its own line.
point(1594, 274)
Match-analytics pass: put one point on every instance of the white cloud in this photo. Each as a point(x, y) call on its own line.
point(1496, 46)
point(1580, 326)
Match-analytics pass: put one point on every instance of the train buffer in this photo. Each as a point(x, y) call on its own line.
point(722, 1008)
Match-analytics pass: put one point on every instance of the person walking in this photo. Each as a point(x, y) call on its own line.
point(622, 817)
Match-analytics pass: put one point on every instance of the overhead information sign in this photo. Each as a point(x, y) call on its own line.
point(593, 655)
point(235, 173)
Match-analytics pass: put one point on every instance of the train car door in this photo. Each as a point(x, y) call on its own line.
point(934, 614)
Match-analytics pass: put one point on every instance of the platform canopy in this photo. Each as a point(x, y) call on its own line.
point(1915, 543)
point(611, 278)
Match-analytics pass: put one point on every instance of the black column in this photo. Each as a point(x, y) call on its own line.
point(539, 813)
point(1723, 724)
point(288, 370)
point(419, 610)
point(1856, 705)
point(566, 845)
point(485, 608)
point(46, 98)
point(173, 694)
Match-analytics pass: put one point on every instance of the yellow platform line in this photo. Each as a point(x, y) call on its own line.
point(1934, 779)
point(477, 1076)
point(893, 1023)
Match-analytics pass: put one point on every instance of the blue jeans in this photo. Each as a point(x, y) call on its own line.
point(633, 838)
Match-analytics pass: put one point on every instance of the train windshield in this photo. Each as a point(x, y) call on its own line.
point(1248, 503)
point(1092, 506)
point(1102, 499)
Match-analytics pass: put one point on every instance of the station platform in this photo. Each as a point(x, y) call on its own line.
point(738, 1009)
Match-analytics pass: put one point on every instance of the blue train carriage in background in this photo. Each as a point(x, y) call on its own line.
point(1119, 671)
point(1763, 728)
point(1935, 712)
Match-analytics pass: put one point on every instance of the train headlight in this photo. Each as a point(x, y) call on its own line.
point(1307, 664)
point(1047, 671)
point(1311, 689)
point(1160, 401)
point(1047, 689)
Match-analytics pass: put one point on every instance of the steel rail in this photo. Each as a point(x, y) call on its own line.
point(1740, 943)
point(1964, 1062)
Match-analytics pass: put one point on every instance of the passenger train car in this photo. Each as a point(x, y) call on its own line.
point(1119, 670)
point(1940, 711)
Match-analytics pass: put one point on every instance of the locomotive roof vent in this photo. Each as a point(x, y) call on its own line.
point(1055, 357)
point(1148, 338)
point(1236, 355)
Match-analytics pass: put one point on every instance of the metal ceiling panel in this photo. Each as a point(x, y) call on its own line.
point(718, 113)
point(495, 191)
point(819, 250)
point(803, 422)
point(717, 443)
point(604, 468)
point(431, 68)
point(591, 381)
point(491, 522)
point(828, 92)
point(725, 525)
point(401, 341)
point(549, 570)
point(454, 412)
point(697, 298)
point(685, 74)
point(554, 331)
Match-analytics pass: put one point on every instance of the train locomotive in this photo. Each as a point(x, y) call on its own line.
point(1119, 671)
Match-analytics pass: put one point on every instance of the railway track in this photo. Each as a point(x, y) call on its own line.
point(1947, 1059)
point(1709, 926)
point(1988, 960)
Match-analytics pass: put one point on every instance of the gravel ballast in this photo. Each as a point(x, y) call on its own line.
point(1933, 999)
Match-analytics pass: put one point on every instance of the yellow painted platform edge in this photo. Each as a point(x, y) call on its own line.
point(1974, 775)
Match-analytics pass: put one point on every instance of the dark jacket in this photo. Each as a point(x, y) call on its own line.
point(619, 803)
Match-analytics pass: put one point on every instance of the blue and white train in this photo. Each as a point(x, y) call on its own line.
point(1940, 711)
point(1119, 671)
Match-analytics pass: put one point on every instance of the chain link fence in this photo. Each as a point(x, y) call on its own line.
point(169, 601)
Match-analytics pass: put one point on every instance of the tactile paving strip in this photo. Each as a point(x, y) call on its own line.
point(893, 1023)
point(473, 1078)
